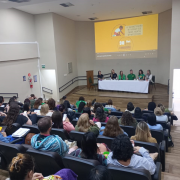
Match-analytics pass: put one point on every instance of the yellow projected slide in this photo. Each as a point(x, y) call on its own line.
point(123, 35)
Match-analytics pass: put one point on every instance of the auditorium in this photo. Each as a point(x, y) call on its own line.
point(89, 90)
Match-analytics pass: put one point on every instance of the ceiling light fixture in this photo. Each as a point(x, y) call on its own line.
point(19, 1)
point(93, 18)
point(68, 4)
point(146, 12)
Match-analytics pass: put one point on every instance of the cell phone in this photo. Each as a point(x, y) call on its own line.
point(64, 117)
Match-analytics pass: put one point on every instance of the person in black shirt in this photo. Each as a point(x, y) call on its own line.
point(113, 75)
point(100, 76)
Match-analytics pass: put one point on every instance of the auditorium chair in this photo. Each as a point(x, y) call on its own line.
point(91, 84)
point(8, 151)
point(77, 114)
point(105, 139)
point(147, 111)
point(124, 173)
point(140, 119)
point(38, 117)
point(33, 128)
point(15, 127)
point(130, 130)
point(74, 122)
point(80, 166)
point(61, 133)
point(47, 163)
point(76, 136)
point(1, 109)
point(116, 113)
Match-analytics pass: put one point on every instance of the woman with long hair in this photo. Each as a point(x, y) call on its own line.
point(84, 124)
point(149, 76)
point(137, 113)
point(159, 115)
point(81, 99)
point(127, 119)
point(121, 76)
point(90, 149)
point(37, 104)
point(151, 119)
point(100, 76)
point(100, 116)
point(143, 133)
point(45, 111)
point(112, 128)
point(151, 106)
point(52, 104)
point(141, 75)
point(113, 75)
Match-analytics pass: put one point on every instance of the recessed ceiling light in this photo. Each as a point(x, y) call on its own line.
point(93, 18)
point(146, 12)
point(68, 4)
point(20, 1)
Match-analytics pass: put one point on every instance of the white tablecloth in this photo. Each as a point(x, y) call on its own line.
point(124, 85)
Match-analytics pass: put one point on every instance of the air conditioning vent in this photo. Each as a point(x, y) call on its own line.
point(93, 18)
point(19, 1)
point(70, 70)
point(146, 12)
point(68, 4)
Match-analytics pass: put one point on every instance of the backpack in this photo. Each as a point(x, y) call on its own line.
point(28, 138)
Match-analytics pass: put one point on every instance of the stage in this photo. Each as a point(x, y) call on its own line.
point(120, 99)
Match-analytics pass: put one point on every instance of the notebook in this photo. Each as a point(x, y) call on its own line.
point(21, 132)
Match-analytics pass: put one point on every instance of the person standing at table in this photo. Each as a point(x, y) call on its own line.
point(113, 74)
point(131, 76)
point(100, 76)
point(149, 76)
point(141, 76)
point(122, 76)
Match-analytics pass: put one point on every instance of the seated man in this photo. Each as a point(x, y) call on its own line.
point(46, 142)
point(131, 76)
point(123, 155)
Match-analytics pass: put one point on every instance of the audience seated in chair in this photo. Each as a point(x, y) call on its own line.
point(137, 113)
point(86, 125)
point(127, 120)
point(151, 106)
point(37, 104)
point(165, 110)
point(112, 128)
point(52, 104)
point(159, 115)
point(46, 142)
point(81, 99)
point(151, 119)
point(45, 111)
point(67, 106)
point(89, 104)
point(143, 133)
point(110, 104)
point(70, 114)
point(90, 149)
point(100, 116)
point(123, 155)
point(59, 123)
point(96, 105)
point(81, 107)
point(32, 100)
point(130, 108)
point(87, 110)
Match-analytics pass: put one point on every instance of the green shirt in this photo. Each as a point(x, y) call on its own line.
point(78, 102)
point(32, 101)
point(141, 76)
point(124, 77)
point(131, 76)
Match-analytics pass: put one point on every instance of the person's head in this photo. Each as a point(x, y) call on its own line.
point(100, 173)
point(15, 98)
point(158, 111)
point(83, 123)
point(121, 73)
point(51, 103)
point(131, 71)
point(87, 110)
point(1, 100)
point(44, 109)
point(32, 96)
point(122, 148)
point(148, 72)
point(151, 119)
point(45, 125)
point(137, 112)
point(120, 27)
point(26, 107)
point(100, 115)
point(140, 71)
point(110, 102)
point(89, 146)
point(37, 104)
point(142, 131)
point(89, 103)
point(96, 106)
point(10, 101)
point(67, 105)
point(130, 106)
point(41, 100)
point(57, 119)
point(99, 72)
point(64, 98)
point(151, 106)
point(62, 108)
point(11, 115)
point(127, 119)
point(81, 98)
point(112, 128)
point(26, 101)
point(112, 71)
point(161, 107)
point(21, 167)
point(81, 106)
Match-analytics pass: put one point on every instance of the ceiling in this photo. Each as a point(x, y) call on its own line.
point(84, 9)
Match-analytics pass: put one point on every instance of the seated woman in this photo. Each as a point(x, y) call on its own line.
point(52, 104)
point(58, 123)
point(143, 133)
point(112, 128)
point(151, 106)
point(96, 105)
point(81, 99)
point(81, 107)
point(37, 104)
point(151, 119)
point(100, 116)
point(87, 110)
point(123, 155)
point(141, 75)
point(26, 108)
point(127, 120)
point(44, 111)
point(137, 113)
point(159, 115)
point(67, 106)
point(100, 76)
point(110, 104)
point(121, 76)
point(86, 125)
point(90, 149)
point(89, 104)
point(130, 108)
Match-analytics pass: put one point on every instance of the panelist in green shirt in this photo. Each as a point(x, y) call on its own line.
point(131, 76)
point(122, 76)
point(141, 75)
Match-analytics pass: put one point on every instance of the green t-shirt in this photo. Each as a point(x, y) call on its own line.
point(78, 102)
point(141, 76)
point(131, 76)
point(124, 77)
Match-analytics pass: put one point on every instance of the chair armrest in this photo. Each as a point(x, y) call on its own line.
point(157, 174)
point(16, 140)
point(166, 135)
point(162, 154)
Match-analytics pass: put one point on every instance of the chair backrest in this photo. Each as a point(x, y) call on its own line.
point(90, 80)
point(9, 151)
point(47, 163)
point(144, 111)
point(106, 140)
point(130, 130)
point(77, 114)
point(163, 124)
point(119, 117)
point(158, 135)
point(139, 119)
point(33, 129)
point(15, 127)
point(80, 166)
point(128, 173)
point(103, 123)
point(2, 109)
point(116, 113)
point(60, 132)
point(38, 117)
point(74, 122)
point(76, 136)
point(153, 78)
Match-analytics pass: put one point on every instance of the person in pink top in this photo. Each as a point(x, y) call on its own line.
point(100, 116)
point(58, 123)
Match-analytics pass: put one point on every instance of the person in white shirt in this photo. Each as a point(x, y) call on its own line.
point(44, 111)
point(159, 115)
point(1, 101)
point(149, 76)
